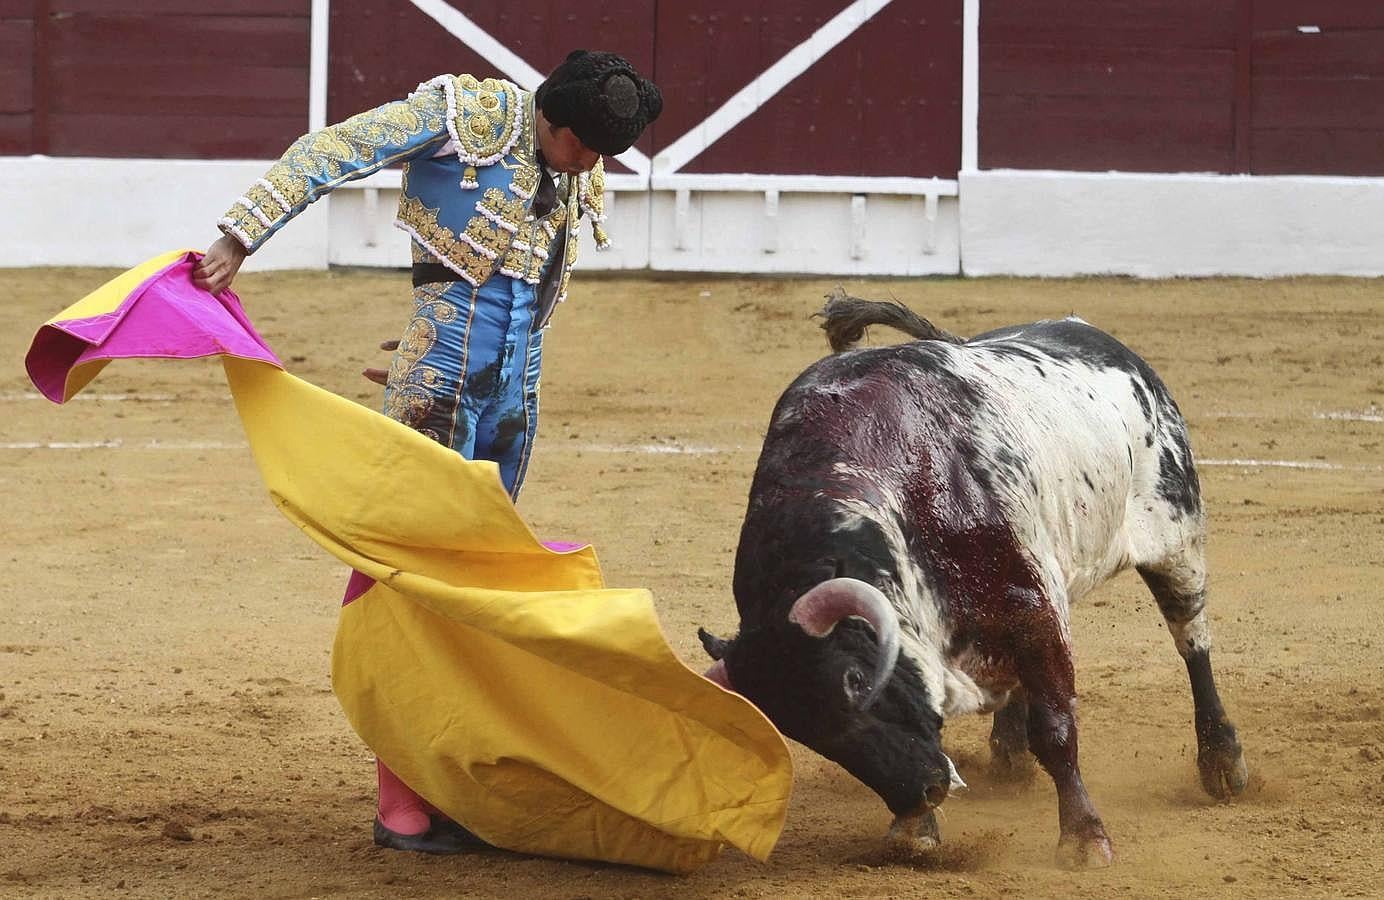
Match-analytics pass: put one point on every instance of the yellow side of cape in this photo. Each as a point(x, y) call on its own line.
point(499, 679)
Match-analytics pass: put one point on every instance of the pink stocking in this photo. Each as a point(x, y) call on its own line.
point(400, 809)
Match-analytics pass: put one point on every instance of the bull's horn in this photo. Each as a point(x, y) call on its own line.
point(818, 611)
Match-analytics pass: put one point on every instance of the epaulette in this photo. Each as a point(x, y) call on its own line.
point(591, 198)
point(484, 117)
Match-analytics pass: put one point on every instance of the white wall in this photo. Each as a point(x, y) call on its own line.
point(818, 233)
point(1154, 226)
point(119, 212)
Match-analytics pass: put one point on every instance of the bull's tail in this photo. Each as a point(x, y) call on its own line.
point(845, 318)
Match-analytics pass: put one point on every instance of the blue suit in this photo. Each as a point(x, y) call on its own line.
point(466, 371)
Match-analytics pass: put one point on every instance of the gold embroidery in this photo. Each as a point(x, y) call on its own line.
point(410, 396)
point(259, 195)
point(291, 187)
point(323, 154)
point(470, 264)
point(499, 236)
point(524, 181)
point(244, 224)
point(502, 209)
point(484, 130)
point(573, 242)
point(591, 192)
point(488, 237)
point(525, 150)
point(316, 159)
point(442, 312)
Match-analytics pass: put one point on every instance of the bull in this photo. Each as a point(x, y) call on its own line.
point(922, 517)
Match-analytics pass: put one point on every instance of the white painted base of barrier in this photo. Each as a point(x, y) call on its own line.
point(809, 233)
point(1157, 226)
point(119, 212)
point(109, 212)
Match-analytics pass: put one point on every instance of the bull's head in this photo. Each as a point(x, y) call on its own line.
point(831, 681)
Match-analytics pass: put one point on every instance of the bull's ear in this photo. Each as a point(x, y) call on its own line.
point(715, 647)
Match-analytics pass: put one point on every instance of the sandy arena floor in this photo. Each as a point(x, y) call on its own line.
point(167, 727)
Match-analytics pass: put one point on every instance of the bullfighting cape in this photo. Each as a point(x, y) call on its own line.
point(499, 678)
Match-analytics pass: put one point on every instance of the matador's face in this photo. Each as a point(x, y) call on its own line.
point(563, 150)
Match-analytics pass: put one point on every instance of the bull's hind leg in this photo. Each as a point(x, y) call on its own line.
point(1181, 594)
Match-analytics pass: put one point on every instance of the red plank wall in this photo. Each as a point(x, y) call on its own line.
point(153, 78)
point(1183, 85)
point(1177, 85)
point(1318, 99)
point(885, 101)
point(380, 51)
point(17, 49)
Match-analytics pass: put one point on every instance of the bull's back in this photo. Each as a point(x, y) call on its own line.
point(1122, 438)
point(1054, 429)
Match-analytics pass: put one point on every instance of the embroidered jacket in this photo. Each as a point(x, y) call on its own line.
point(469, 177)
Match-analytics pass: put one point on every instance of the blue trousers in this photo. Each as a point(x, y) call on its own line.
point(466, 372)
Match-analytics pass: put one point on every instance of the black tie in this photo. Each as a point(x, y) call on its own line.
point(545, 196)
point(544, 201)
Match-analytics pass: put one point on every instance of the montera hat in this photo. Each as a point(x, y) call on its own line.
point(601, 97)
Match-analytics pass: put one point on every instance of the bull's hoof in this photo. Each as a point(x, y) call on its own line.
point(1223, 771)
point(1086, 851)
point(915, 832)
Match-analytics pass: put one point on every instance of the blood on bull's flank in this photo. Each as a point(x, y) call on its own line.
point(920, 520)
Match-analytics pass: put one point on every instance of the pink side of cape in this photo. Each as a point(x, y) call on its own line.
point(165, 317)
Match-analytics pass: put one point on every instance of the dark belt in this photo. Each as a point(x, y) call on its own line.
point(432, 273)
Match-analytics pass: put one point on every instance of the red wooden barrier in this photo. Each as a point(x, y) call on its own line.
point(1178, 85)
point(1183, 85)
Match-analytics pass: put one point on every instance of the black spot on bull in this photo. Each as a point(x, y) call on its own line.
point(1177, 479)
point(1140, 394)
point(1072, 340)
point(1012, 470)
point(1020, 352)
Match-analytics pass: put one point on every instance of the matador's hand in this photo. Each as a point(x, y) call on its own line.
point(219, 266)
point(381, 376)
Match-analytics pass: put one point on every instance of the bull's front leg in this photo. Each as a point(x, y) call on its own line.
point(1010, 760)
point(1049, 681)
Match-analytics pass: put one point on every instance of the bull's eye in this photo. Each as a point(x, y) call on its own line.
point(855, 683)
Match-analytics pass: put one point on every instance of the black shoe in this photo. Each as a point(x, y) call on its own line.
point(441, 825)
point(443, 838)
